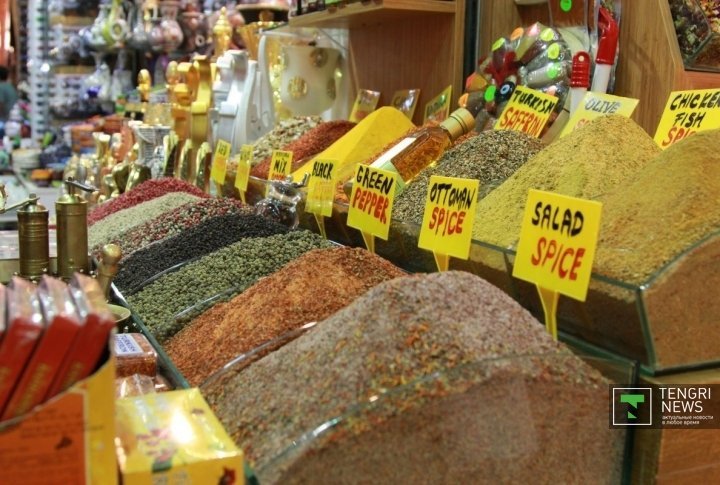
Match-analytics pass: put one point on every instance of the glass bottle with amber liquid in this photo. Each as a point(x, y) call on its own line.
point(421, 149)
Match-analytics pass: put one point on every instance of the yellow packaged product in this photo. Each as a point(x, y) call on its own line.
point(364, 141)
point(174, 437)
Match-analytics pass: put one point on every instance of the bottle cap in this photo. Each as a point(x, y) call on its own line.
point(458, 123)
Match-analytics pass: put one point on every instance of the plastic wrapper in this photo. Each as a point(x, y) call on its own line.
point(134, 355)
point(134, 385)
point(88, 347)
point(62, 324)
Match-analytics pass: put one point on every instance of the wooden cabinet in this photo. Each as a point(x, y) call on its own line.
point(400, 44)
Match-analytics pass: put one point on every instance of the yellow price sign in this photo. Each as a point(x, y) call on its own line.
point(686, 113)
point(371, 202)
point(527, 111)
point(557, 247)
point(280, 165)
point(219, 163)
point(242, 175)
point(438, 108)
point(596, 105)
point(321, 187)
point(449, 217)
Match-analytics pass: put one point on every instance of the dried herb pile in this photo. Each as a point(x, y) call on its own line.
point(148, 190)
point(400, 331)
point(490, 157)
point(111, 226)
point(176, 221)
point(588, 163)
point(311, 288)
point(216, 277)
point(204, 238)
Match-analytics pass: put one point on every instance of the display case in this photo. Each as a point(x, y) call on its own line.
point(697, 27)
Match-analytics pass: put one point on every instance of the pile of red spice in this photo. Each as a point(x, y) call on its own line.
point(148, 190)
point(308, 145)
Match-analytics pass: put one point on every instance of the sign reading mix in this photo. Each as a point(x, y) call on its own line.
point(557, 243)
point(321, 188)
point(280, 165)
point(686, 113)
point(449, 216)
point(371, 200)
point(527, 111)
point(219, 163)
point(595, 105)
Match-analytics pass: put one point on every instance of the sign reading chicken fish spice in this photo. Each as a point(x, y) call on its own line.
point(449, 216)
point(371, 201)
point(527, 111)
point(686, 113)
point(557, 242)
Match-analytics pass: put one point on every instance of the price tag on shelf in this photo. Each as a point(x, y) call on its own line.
point(371, 203)
point(438, 108)
point(557, 247)
point(448, 219)
point(528, 111)
point(242, 176)
point(686, 113)
point(280, 165)
point(596, 105)
point(219, 163)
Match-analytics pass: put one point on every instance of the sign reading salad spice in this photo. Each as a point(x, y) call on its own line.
point(280, 165)
point(686, 113)
point(557, 247)
point(595, 105)
point(321, 187)
point(527, 111)
point(448, 220)
point(219, 163)
point(371, 202)
point(242, 176)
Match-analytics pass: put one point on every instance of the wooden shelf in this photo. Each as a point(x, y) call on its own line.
point(400, 44)
point(361, 14)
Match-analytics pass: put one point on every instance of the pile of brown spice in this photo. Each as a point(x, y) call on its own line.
point(308, 145)
point(309, 289)
point(588, 163)
point(453, 343)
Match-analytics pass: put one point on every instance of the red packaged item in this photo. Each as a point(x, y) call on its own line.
point(86, 350)
point(62, 325)
point(3, 313)
point(24, 327)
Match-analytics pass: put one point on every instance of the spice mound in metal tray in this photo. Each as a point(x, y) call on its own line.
point(466, 384)
point(142, 193)
point(208, 236)
point(311, 288)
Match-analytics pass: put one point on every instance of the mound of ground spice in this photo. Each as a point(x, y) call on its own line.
point(308, 145)
point(587, 163)
point(309, 289)
point(405, 332)
point(175, 221)
point(148, 190)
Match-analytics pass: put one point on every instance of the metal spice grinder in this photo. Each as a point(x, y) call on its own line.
point(33, 236)
point(72, 231)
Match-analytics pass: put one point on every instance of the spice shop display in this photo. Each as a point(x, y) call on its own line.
point(309, 144)
point(170, 303)
point(657, 307)
point(103, 231)
point(206, 237)
point(697, 28)
point(276, 305)
point(142, 193)
point(588, 163)
point(174, 222)
point(448, 374)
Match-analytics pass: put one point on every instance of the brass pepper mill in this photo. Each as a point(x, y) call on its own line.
point(72, 232)
point(108, 267)
point(33, 235)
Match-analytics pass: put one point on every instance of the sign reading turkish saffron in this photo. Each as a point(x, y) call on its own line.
point(371, 201)
point(449, 216)
point(686, 113)
point(527, 111)
point(321, 188)
point(557, 243)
